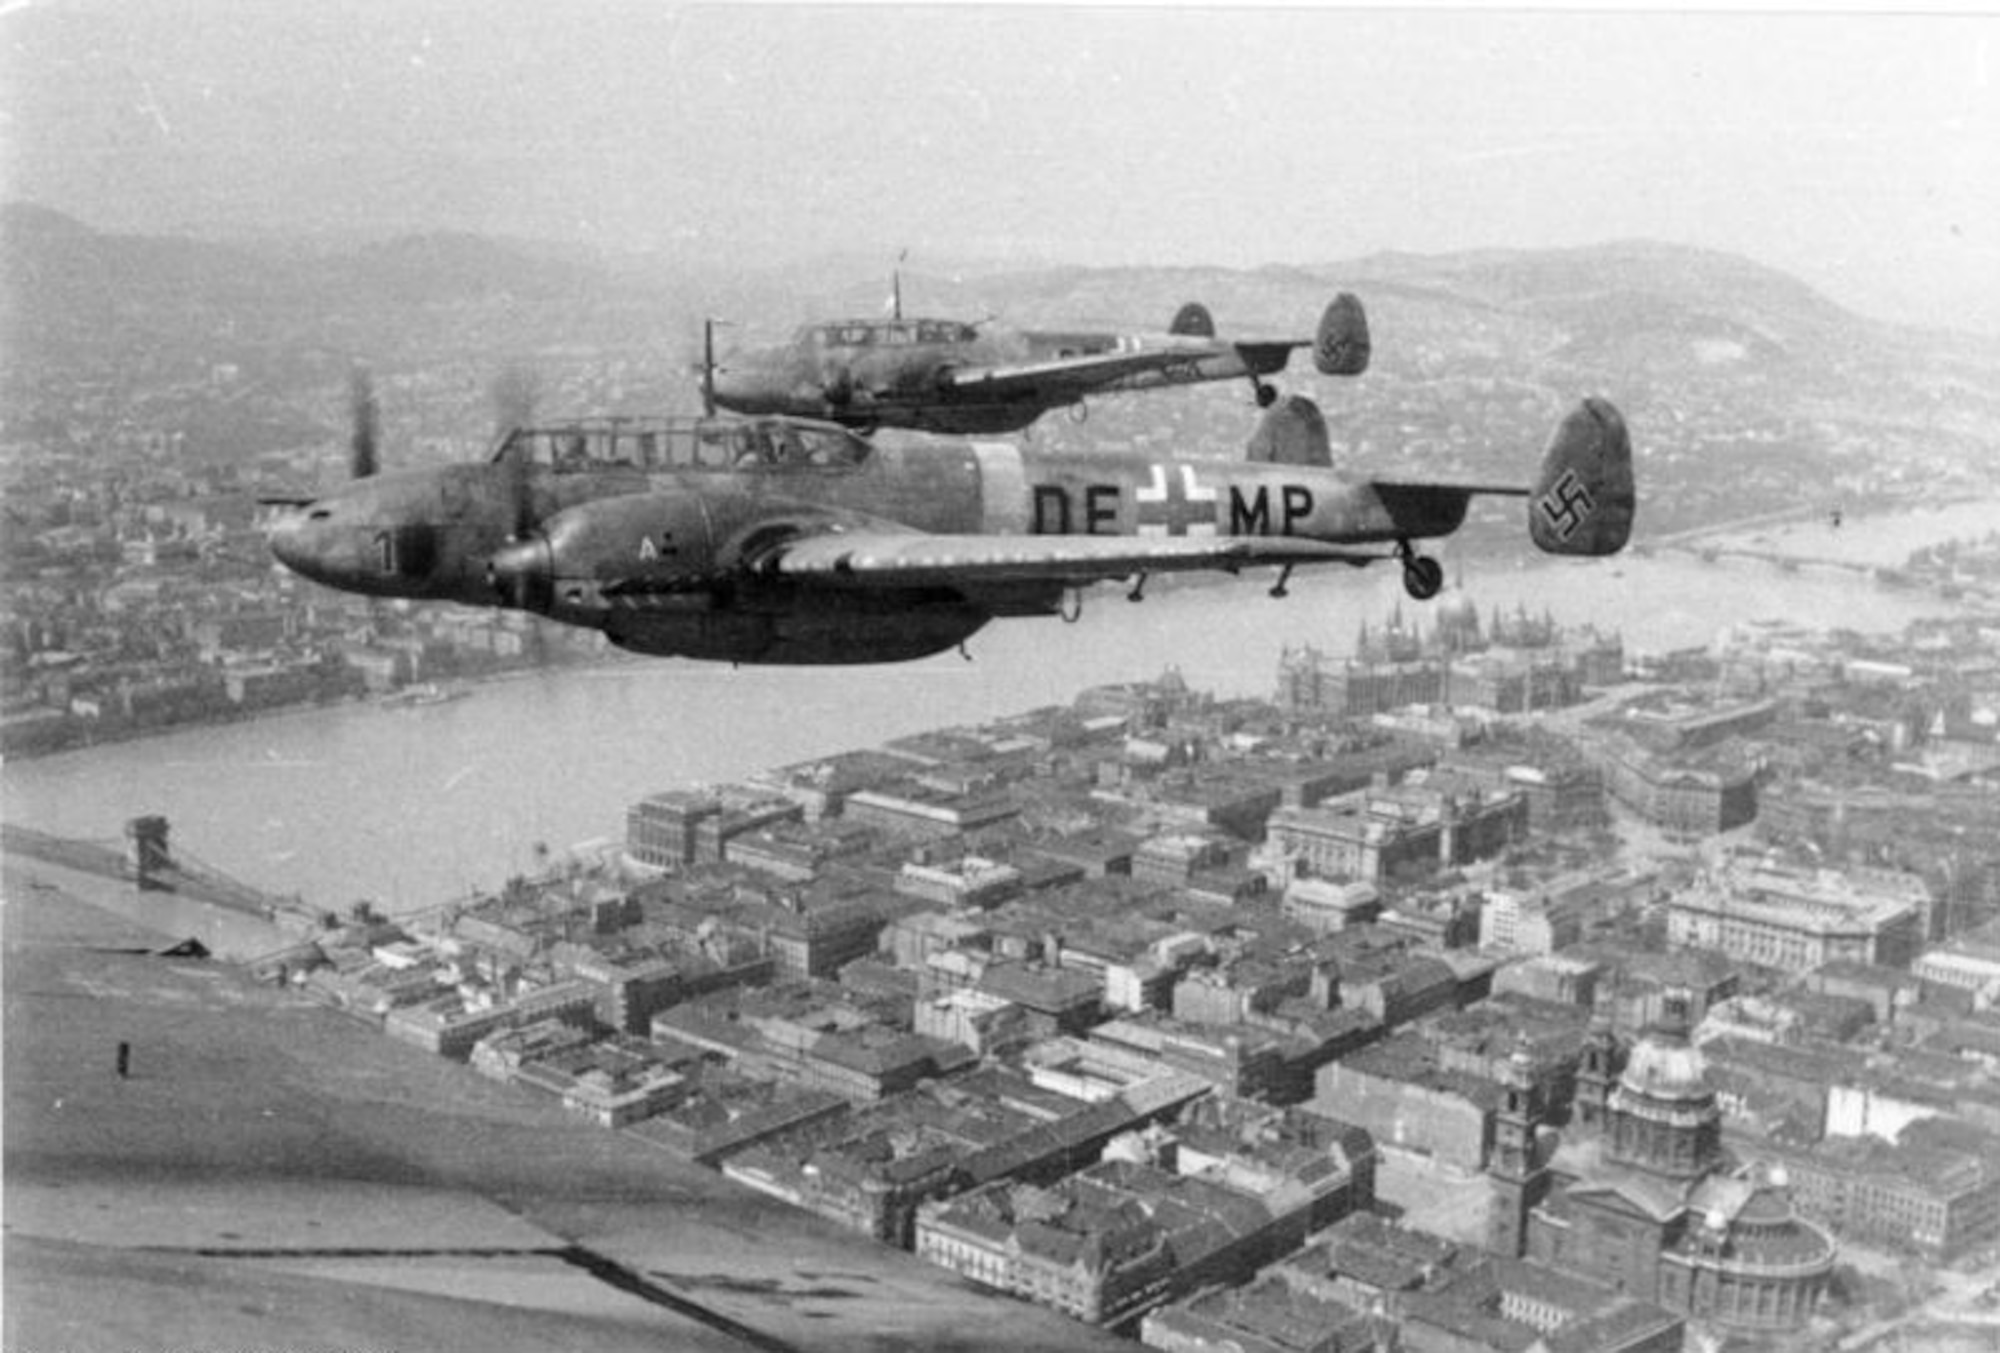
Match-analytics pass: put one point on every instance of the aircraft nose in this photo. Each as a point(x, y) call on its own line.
point(298, 541)
point(739, 389)
point(285, 536)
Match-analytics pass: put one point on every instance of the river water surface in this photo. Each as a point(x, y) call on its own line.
point(410, 807)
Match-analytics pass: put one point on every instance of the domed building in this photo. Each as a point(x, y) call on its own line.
point(1646, 1199)
point(1662, 1118)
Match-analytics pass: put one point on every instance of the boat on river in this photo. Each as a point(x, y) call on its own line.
point(422, 694)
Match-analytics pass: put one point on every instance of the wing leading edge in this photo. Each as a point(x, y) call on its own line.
point(1078, 375)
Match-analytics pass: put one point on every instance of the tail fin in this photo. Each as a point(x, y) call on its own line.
point(1292, 432)
point(1584, 498)
point(1193, 321)
point(1341, 347)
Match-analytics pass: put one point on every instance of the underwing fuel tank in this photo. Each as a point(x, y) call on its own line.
point(1583, 499)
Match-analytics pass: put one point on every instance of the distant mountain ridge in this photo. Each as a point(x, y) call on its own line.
point(1746, 389)
point(1621, 315)
point(49, 258)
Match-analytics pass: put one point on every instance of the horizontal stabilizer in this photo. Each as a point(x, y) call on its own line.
point(1584, 498)
point(1341, 347)
point(1193, 321)
point(1292, 432)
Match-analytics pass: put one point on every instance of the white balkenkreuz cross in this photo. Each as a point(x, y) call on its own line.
point(1175, 504)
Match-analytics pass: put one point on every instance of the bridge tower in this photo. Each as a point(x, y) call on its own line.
point(149, 856)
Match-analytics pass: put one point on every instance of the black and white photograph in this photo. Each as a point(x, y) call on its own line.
point(876, 677)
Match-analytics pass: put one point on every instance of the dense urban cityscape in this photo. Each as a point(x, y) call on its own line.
point(1476, 990)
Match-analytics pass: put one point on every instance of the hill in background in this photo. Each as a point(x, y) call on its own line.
point(1743, 386)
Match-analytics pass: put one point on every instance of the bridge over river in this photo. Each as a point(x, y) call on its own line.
point(149, 866)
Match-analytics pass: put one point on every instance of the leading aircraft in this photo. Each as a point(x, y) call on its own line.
point(947, 376)
point(778, 540)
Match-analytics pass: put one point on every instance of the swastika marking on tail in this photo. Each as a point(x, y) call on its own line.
point(1566, 505)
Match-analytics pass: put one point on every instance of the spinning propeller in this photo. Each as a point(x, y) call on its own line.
point(365, 416)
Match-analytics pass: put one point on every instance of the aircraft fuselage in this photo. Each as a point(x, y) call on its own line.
point(785, 541)
point(916, 382)
point(640, 553)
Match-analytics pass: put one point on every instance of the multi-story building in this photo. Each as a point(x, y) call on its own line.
point(1111, 1243)
point(1368, 1263)
point(1510, 1304)
point(1325, 906)
point(972, 1019)
point(633, 985)
point(1799, 920)
point(742, 811)
point(969, 881)
point(615, 1100)
point(1564, 792)
point(1377, 834)
point(660, 829)
point(870, 1171)
point(1493, 1037)
point(1685, 793)
point(907, 810)
point(1268, 1151)
point(814, 940)
point(1529, 923)
point(1170, 859)
point(805, 1034)
point(1968, 967)
point(796, 851)
point(1265, 1317)
point(1935, 1191)
point(1399, 1092)
point(1557, 978)
point(1234, 1059)
point(1348, 842)
point(452, 1027)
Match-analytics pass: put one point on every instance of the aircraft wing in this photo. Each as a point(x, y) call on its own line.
point(1065, 376)
point(865, 559)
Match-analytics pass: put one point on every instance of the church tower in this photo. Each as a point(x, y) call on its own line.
point(1520, 1177)
point(1595, 1077)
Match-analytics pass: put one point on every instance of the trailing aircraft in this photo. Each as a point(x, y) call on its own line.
point(780, 540)
point(947, 376)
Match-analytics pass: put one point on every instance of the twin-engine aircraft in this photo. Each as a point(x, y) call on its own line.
point(946, 376)
point(784, 541)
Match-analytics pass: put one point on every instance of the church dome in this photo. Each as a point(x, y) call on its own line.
point(1663, 1116)
point(1666, 1068)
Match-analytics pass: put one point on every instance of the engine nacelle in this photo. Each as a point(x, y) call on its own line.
point(639, 544)
point(782, 625)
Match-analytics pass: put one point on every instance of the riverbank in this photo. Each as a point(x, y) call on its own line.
point(460, 685)
point(272, 1175)
point(406, 809)
point(1869, 534)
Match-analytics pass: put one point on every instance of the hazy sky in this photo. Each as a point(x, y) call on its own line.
point(1861, 152)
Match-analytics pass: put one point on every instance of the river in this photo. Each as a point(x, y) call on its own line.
point(410, 807)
